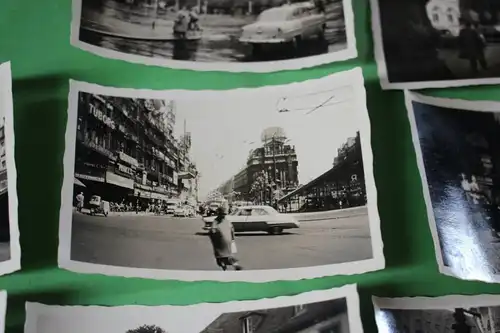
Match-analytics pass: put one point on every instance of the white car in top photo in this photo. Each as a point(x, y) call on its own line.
point(284, 24)
point(257, 218)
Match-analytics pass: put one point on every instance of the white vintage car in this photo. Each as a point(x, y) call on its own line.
point(287, 23)
point(257, 218)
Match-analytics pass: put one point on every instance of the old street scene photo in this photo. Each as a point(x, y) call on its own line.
point(463, 314)
point(436, 43)
point(222, 181)
point(459, 151)
point(216, 31)
point(5, 254)
point(328, 311)
point(321, 317)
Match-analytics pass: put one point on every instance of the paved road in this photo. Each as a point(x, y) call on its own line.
point(220, 34)
point(179, 243)
point(461, 68)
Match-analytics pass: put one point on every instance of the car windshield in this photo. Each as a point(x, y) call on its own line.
point(274, 15)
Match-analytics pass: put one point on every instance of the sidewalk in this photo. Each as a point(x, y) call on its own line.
point(87, 211)
point(331, 214)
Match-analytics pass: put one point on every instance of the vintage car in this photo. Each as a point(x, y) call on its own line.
point(257, 218)
point(184, 211)
point(98, 206)
point(287, 23)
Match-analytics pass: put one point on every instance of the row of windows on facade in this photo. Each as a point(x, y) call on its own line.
point(110, 143)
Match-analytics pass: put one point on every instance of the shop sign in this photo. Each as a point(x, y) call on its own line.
point(142, 194)
point(128, 159)
point(113, 178)
point(174, 178)
point(89, 177)
point(102, 116)
point(125, 169)
point(100, 149)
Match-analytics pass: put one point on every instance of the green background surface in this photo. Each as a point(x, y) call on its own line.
point(34, 36)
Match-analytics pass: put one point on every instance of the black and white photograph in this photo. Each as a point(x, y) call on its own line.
point(456, 145)
point(436, 43)
point(198, 185)
point(224, 35)
point(323, 311)
point(446, 314)
point(10, 252)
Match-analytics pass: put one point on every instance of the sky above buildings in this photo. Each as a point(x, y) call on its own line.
point(225, 126)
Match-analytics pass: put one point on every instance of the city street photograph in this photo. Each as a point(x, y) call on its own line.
point(456, 144)
point(447, 314)
point(436, 43)
point(203, 184)
point(333, 310)
point(10, 256)
point(229, 35)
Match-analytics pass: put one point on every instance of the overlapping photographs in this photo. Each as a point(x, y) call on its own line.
point(456, 313)
point(210, 185)
point(334, 310)
point(10, 252)
point(456, 145)
point(224, 35)
point(436, 43)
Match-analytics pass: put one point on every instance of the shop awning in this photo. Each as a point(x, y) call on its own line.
point(77, 182)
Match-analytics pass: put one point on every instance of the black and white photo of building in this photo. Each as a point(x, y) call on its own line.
point(447, 314)
point(456, 143)
point(232, 35)
point(10, 257)
point(158, 169)
point(325, 311)
point(436, 43)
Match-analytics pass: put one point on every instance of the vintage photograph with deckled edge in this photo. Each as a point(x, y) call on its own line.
point(454, 313)
point(436, 43)
point(222, 35)
point(10, 252)
point(198, 185)
point(334, 310)
point(455, 143)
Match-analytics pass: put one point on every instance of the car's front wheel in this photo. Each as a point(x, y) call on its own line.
point(275, 230)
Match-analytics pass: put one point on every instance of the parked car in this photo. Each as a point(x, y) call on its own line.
point(257, 218)
point(284, 24)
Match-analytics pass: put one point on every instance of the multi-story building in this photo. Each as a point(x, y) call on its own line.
point(329, 316)
point(126, 148)
point(4, 196)
point(342, 186)
point(271, 170)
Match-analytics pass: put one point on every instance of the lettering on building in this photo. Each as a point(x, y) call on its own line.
point(101, 116)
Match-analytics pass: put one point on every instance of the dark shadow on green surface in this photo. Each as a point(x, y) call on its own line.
point(400, 202)
point(16, 313)
point(39, 125)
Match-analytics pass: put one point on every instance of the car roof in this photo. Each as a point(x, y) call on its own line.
point(253, 207)
point(291, 7)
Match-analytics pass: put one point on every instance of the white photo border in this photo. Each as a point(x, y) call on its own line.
point(6, 102)
point(350, 52)
point(386, 84)
point(349, 292)
point(352, 77)
point(434, 303)
point(452, 103)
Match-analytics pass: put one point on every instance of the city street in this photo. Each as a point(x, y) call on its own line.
point(119, 27)
point(461, 68)
point(162, 242)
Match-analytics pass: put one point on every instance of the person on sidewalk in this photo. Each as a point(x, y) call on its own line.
point(223, 241)
point(471, 46)
point(80, 199)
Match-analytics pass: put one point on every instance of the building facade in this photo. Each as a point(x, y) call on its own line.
point(3, 160)
point(4, 195)
point(126, 150)
point(329, 316)
point(342, 186)
point(271, 171)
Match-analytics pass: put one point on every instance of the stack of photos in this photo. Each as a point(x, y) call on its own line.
point(334, 310)
point(447, 314)
point(436, 43)
point(228, 35)
point(457, 154)
point(10, 251)
point(148, 172)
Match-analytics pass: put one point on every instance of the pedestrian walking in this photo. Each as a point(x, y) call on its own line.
point(471, 46)
point(223, 241)
point(80, 198)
